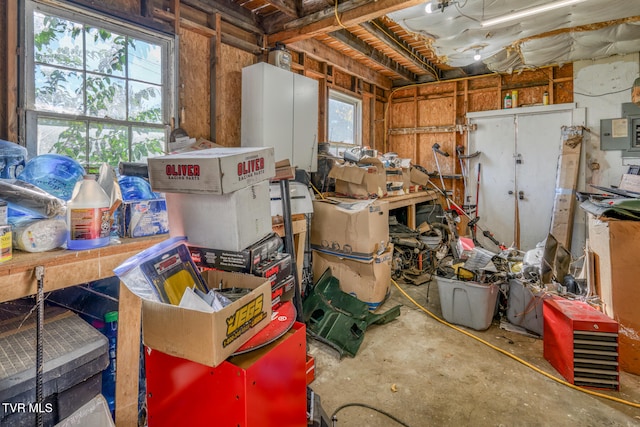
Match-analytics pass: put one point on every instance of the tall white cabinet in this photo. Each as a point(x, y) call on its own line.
point(519, 150)
point(280, 109)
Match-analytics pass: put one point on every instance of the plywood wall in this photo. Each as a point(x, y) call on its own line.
point(438, 106)
point(194, 91)
point(232, 61)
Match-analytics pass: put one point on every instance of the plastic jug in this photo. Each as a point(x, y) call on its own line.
point(88, 216)
point(54, 173)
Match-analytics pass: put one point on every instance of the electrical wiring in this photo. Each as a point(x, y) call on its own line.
point(364, 405)
point(335, 12)
point(516, 358)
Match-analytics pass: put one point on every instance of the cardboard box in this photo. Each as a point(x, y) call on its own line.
point(276, 270)
point(139, 218)
point(360, 181)
point(243, 261)
point(299, 196)
point(211, 171)
point(368, 281)
point(229, 222)
point(418, 177)
point(616, 245)
point(346, 226)
point(209, 338)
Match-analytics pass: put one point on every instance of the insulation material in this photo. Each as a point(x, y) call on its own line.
point(569, 47)
point(456, 32)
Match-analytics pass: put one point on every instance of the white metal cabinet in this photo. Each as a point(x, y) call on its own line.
point(280, 109)
point(520, 150)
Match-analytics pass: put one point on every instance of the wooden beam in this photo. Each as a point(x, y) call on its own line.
point(288, 7)
point(11, 78)
point(323, 53)
point(231, 13)
point(351, 12)
point(401, 47)
point(375, 55)
point(206, 31)
point(432, 129)
point(216, 74)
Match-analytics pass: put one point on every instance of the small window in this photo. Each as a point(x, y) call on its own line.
point(345, 119)
point(97, 90)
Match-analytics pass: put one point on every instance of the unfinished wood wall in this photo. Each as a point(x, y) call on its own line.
point(230, 70)
point(194, 88)
point(434, 113)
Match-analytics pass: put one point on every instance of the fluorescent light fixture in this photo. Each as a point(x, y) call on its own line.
point(438, 5)
point(529, 12)
point(477, 56)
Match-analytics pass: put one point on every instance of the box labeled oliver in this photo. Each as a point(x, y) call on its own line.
point(219, 170)
point(209, 338)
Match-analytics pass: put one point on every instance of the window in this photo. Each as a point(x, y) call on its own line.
point(345, 120)
point(96, 90)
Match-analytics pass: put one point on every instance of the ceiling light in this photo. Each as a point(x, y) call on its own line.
point(529, 12)
point(435, 5)
point(477, 56)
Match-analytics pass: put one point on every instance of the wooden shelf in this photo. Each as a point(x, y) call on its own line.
point(64, 268)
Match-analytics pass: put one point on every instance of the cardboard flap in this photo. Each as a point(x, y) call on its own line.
point(348, 173)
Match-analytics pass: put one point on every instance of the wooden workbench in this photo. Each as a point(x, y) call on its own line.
point(62, 269)
point(410, 201)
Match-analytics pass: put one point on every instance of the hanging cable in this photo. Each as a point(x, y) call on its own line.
point(335, 12)
point(516, 358)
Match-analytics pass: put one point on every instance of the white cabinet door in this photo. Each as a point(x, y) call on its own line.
point(494, 139)
point(305, 119)
point(267, 109)
point(519, 161)
point(280, 110)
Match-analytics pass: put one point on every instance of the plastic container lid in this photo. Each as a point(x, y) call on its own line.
point(111, 316)
point(54, 173)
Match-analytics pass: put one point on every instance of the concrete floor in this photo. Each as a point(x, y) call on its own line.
point(427, 374)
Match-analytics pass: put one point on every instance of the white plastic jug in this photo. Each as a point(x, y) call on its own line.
point(88, 216)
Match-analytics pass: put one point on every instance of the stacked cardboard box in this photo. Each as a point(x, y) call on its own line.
point(219, 199)
point(352, 238)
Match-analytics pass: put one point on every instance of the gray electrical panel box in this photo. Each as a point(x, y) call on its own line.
point(614, 134)
point(622, 133)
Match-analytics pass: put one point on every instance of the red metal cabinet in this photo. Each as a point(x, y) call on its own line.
point(581, 343)
point(262, 388)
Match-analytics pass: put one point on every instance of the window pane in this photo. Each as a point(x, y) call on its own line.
point(106, 52)
point(341, 116)
point(145, 61)
point(68, 137)
point(57, 41)
point(108, 143)
point(147, 142)
point(58, 90)
point(106, 97)
point(145, 103)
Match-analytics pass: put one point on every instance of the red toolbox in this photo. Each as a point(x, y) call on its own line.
point(581, 343)
point(262, 388)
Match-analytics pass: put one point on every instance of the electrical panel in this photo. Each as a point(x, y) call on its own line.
point(622, 133)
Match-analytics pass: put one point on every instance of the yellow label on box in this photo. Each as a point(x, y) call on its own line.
point(5, 243)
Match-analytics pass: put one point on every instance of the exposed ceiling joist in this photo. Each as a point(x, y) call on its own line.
point(288, 7)
point(351, 12)
point(231, 12)
point(377, 28)
point(375, 55)
point(323, 53)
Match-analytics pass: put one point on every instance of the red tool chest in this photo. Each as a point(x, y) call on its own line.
point(261, 388)
point(581, 343)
